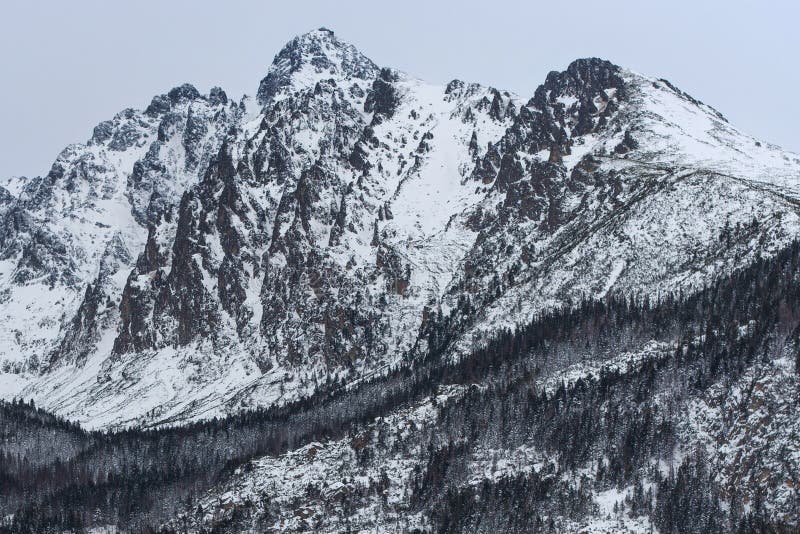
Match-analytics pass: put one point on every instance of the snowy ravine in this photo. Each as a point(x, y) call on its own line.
point(205, 256)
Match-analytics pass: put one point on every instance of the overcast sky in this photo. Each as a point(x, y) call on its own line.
point(68, 65)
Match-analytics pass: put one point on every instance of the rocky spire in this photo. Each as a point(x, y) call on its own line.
point(313, 56)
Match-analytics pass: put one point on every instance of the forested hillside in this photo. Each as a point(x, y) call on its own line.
point(620, 412)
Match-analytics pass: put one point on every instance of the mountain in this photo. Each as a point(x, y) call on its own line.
point(358, 301)
point(204, 256)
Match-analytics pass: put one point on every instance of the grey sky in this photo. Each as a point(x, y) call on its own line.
point(68, 65)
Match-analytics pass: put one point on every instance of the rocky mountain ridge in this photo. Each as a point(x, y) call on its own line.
point(205, 256)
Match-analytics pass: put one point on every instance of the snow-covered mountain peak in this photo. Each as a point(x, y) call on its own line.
point(319, 235)
point(311, 57)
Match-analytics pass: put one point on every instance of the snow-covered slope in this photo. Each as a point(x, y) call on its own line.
point(203, 256)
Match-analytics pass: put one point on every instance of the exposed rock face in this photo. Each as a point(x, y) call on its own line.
point(383, 99)
point(213, 255)
point(75, 233)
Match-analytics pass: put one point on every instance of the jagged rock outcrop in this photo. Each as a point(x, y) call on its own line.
point(75, 232)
